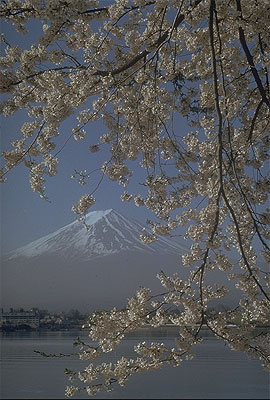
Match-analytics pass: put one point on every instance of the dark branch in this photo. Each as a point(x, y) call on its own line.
point(250, 60)
point(180, 18)
point(254, 119)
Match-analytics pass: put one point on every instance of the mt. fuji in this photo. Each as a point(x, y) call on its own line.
point(109, 233)
point(86, 269)
point(92, 269)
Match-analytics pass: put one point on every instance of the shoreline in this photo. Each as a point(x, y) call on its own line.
point(10, 329)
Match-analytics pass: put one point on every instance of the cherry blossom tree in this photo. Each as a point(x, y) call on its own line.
point(137, 65)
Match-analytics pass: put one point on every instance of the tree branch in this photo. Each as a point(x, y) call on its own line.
point(250, 60)
point(180, 18)
point(254, 120)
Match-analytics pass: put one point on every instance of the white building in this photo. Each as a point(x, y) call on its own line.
point(21, 317)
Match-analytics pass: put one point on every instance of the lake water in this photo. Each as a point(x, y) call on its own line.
point(215, 373)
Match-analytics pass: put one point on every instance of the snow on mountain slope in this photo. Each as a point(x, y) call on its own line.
point(109, 233)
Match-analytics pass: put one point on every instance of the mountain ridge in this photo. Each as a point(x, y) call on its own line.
point(109, 232)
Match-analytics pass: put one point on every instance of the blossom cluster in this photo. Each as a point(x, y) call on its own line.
point(86, 201)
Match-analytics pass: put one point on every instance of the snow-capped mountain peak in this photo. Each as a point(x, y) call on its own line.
point(94, 216)
point(108, 233)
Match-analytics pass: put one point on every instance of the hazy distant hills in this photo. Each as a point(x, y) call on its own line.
point(86, 269)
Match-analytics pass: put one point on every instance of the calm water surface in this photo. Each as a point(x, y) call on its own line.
point(215, 373)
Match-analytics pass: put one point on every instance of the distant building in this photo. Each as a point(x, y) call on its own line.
point(19, 317)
